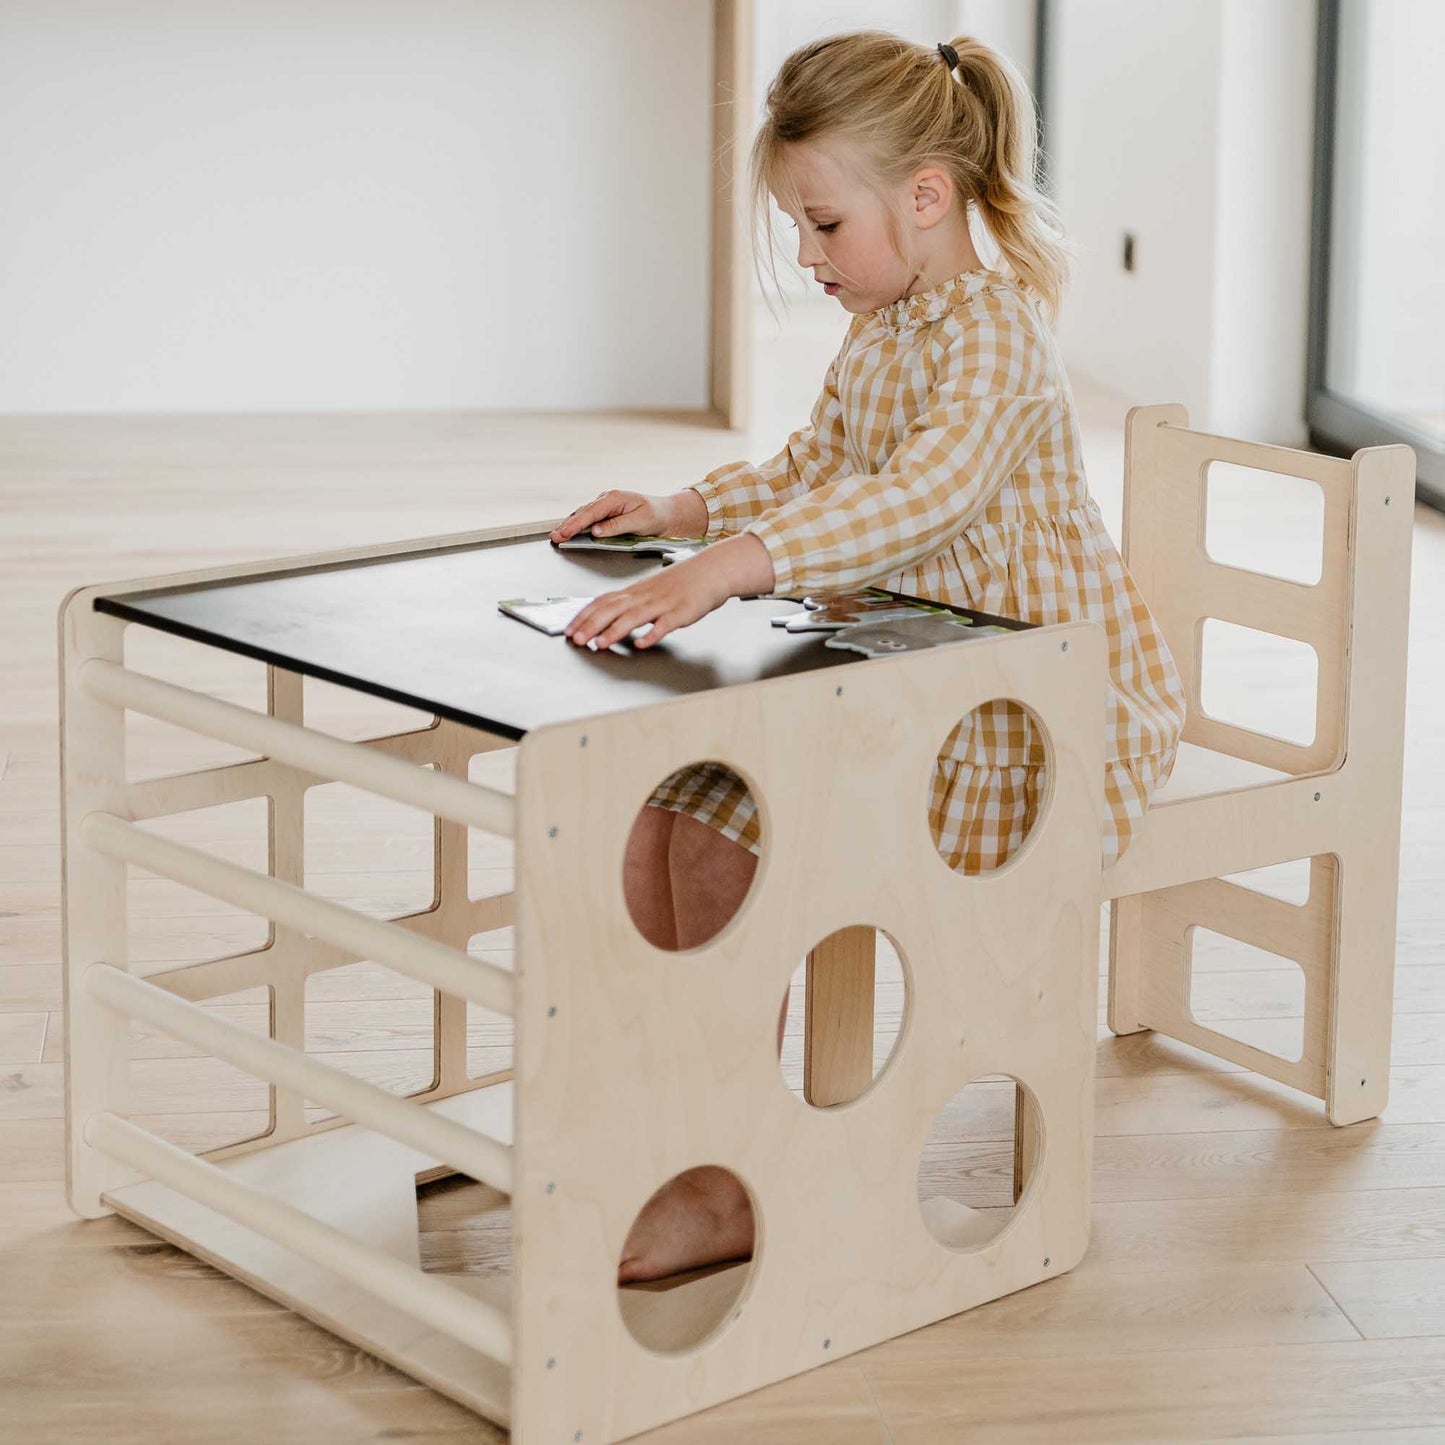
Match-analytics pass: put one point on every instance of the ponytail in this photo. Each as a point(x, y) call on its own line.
point(1002, 130)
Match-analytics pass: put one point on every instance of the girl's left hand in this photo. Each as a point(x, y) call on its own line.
point(671, 598)
point(675, 596)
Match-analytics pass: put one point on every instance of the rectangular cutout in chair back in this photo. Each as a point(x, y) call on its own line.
point(1266, 522)
point(1259, 680)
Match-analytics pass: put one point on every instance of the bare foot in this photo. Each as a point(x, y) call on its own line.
point(701, 1217)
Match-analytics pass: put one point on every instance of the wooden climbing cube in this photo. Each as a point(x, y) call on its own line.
point(632, 1064)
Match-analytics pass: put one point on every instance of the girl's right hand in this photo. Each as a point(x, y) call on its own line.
point(625, 512)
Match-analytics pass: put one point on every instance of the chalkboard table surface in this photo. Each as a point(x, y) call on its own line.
point(424, 629)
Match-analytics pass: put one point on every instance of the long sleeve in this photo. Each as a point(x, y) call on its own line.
point(991, 398)
point(740, 492)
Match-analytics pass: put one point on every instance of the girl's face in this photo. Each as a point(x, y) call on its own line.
point(843, 234)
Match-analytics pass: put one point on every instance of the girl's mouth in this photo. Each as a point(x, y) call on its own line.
point(831, 288)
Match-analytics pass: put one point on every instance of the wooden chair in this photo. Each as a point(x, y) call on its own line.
point(1241, 799)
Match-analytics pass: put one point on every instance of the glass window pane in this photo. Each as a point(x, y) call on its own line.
point(1386, 349)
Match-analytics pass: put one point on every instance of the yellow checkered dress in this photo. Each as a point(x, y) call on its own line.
point(943, 460)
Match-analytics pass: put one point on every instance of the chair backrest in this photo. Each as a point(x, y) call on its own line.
point(1362, 594)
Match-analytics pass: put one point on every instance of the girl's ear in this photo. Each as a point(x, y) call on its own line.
point(932, 195)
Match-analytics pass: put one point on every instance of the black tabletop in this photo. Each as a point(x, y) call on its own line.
point(424, 629)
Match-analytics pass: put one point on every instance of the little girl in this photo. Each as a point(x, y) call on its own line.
point(942, 459)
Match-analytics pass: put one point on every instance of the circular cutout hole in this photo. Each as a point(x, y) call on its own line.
point(854, 982)
point(982, 1151)
point(692, 855)
point(689, 1256)
point(988, 787)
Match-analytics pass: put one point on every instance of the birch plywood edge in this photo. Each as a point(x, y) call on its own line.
point(309, 561)
point(635, 1064)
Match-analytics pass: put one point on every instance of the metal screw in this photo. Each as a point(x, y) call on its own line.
point(1317, 797)
point(1362, 1083)
point(583, 743)
point(552, 1011)
point(1387, 501)
point(1046, 1261)
point(837, 692)
point(551, 1362)
point(1063, 647)
point(826, 1343)
point(551, 1189)
point(551, 832)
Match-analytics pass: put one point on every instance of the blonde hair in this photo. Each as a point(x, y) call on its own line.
point(905, 108)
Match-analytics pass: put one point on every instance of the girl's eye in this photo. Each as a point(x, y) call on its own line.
point(829, 228)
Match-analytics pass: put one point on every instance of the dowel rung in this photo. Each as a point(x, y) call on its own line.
point(301, 747)
point(446, 969)
point(472, 1321)
point(467, 1150)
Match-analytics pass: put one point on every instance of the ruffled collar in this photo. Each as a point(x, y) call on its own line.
point(924, 306)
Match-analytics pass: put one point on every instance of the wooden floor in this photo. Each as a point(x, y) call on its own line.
point(1254, 1273)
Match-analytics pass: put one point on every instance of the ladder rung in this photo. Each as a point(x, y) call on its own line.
point(473, 1153)
point(472, 1321)
point(303, 747)
point(446, 969)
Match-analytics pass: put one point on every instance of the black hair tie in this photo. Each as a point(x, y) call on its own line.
point(950, 55)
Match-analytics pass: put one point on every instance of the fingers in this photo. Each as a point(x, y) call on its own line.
point(606, 620)
point(610, 618)
point(661, 626)
point(609, 504)
point(578, 520)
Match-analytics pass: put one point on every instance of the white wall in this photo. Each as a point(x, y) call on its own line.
point(1133, 111)
point(353, 204)
point(1188, 124)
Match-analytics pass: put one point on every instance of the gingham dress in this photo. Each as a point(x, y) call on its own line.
point(943, 460)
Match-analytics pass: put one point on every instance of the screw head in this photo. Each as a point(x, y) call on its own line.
point(1063, 647)
point(551, 1189)
point(582, 743)
point(551, 1011)
point(827, 1343)
point(1317, 797)
point(1387, 501)
point(1362, 1083)
point(551, 832)
point(838, 692)
point(551, 1362)
point(1046, 1261)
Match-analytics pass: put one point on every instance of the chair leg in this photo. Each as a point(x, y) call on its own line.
point(838, 1026)
point(1362, 985)
point(1126, 965)
point(1026, 1140)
